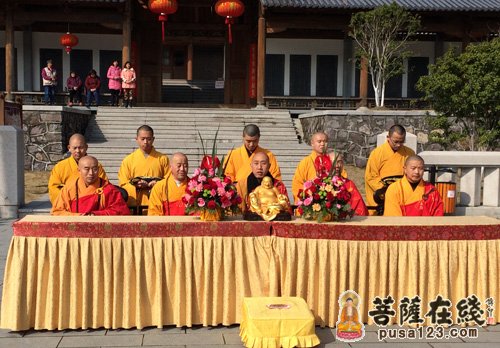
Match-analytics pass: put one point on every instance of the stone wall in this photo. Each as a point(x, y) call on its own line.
point(46, 133)
point(355, 132)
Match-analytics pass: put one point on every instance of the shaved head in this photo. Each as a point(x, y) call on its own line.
point(260, 165)
point(179, 166)
point(319, 142)
point(88, 167)
point(77, 146)
point(251, 130)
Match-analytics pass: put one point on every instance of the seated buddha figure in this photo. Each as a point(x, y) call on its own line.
point(349, 326)
point(267, 201)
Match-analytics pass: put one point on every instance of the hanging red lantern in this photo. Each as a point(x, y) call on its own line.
point(163, 8)
point(229, 9)
point(68, 40)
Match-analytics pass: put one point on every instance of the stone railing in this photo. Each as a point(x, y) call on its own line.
point(477, 174)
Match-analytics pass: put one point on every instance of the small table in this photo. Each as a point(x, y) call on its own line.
point(277, 322)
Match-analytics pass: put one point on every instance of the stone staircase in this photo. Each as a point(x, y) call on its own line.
point(111, 135)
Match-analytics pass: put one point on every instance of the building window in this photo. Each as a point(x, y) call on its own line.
point(326, 76)
point(300, 75)
point(275, 74)
point(417, 67)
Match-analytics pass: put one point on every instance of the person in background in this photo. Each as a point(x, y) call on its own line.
point(49, 81)
point(64, 170)
point(128, 84)
point(385, 164)
point(114, 82)
point(74, 85)
point(92, 84)
point(238, 160)
point(141, 170)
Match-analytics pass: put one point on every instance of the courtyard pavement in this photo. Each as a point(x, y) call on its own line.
point(197, 337)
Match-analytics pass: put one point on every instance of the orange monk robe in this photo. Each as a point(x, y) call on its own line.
point(136, 164)
point(62, 172)
point(356, 201)
point(238, 163)
point(306, 171)
point(402, 200)
point(383, 162)
point(99, 198)
point(166, 197)
point(242, 188)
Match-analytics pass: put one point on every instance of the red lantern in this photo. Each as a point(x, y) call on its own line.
point(229, 9)
point(163, 8)
point(68, 41)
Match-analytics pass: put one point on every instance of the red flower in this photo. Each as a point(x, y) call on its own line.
point(316, 197)
point(330, 196)
point(207, 187)
point(209, 163)
point(300, 211)
point(211, 205)
point(328, 205)
point(313, 189)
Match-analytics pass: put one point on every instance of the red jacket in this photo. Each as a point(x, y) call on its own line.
point(92, 82)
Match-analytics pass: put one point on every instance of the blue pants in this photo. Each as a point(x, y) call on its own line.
point(94, 94)
point(50, 94)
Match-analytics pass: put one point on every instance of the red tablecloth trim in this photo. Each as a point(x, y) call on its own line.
point(140, 229)
point(342, 231)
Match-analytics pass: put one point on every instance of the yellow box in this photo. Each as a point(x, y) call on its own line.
point(272, 322)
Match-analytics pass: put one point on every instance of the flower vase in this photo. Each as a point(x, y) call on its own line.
point(211, 215)
point(316, 217)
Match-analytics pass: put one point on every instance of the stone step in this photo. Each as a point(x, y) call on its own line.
point(127, 146)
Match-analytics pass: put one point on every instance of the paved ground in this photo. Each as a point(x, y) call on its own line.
point(198, 337)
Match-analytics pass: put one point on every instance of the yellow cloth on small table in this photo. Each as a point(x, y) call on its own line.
point(266, 327)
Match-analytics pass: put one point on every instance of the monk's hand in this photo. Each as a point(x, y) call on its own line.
point(142, 184)
point(151, 183)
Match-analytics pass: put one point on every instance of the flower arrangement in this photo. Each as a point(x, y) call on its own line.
point(209, 191)
point(326, 197)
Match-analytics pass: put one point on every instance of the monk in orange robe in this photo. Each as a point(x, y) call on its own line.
point(140, 170)
point(259, 168)
point(356, 201)
point(306, 170)
point(88, 194)
point(166, 195)
point(68, 168)
point(237, 161)
point(385, 161)
point(411, 195)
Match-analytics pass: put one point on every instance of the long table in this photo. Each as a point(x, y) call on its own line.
point(133, 271)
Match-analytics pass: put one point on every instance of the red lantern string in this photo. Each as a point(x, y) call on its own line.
point(163, 19)
point(229, 21)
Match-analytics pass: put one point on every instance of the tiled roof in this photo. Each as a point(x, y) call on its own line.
point(416, 5)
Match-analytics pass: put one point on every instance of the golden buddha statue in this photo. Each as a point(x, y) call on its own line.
point(266, 200)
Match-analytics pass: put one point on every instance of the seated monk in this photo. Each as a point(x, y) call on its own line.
point(88, 194)
point(267, 201)
point(356, 201)
point(411, 195)
point(166, 195)
point(260, 168)
point(68, 168)
point(349, 319)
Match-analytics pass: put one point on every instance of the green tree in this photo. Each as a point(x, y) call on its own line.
point(382, 35)
point(465, 93)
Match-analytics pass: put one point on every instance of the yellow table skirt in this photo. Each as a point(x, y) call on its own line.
point(262, 327)
point(60, 283)
point(319, 270)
